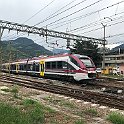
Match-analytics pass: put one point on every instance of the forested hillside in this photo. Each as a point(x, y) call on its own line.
point(21, 48)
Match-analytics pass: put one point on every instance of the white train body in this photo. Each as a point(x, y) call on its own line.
point(70, 66)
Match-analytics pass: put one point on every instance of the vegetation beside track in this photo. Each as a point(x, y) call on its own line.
point(116, 118)
point(42, 107)
point(119, 77)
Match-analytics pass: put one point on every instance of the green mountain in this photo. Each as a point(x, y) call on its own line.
point(21, 48)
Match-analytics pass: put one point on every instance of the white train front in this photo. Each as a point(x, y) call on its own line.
point(66, 66)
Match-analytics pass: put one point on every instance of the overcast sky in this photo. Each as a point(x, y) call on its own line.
point(88, 14)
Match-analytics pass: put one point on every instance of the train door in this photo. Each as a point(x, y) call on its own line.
point(17, 68)
point(42, 63)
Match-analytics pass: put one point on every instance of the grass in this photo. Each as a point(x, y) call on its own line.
point(91, 112)
point(67, 104)
point(116, 118)
point(31, 112)
point(61, 102)
point(29, 103)
point(15, 91)
point(6, 90)
point(114, 76)
point(79, 122)
point(11, 115)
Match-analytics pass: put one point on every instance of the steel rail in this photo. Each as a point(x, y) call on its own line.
point(95, 97)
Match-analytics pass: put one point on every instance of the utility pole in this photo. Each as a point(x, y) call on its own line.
point(104, 42)
point(10, 56)
point(103, 64)
point(1, 33)
point(68, 43)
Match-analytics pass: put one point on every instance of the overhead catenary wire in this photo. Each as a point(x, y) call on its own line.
point(37, 13)
point(95, 23)
point(102, 27)
point(43, 9)
point(105, 8)
point(52, 16)
point(90, 5)
point(74, 12)
point(85, 15)
point(114, 35)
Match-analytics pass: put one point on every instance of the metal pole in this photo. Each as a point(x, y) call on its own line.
point(103, 64)
point(104, 49)
point(0, 34)
point(0, 48)
point(9, 57)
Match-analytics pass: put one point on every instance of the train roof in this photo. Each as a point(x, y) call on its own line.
point(80, 56)
point(36, 59)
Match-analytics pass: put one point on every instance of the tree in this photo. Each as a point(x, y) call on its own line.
point(88, 48)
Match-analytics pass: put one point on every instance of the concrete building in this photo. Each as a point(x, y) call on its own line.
point(115, 61)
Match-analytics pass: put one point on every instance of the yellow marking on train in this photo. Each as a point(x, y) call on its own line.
point(42, 62)
point(17, 68)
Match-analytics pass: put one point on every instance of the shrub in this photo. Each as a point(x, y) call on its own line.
point(116, 118)
point(12, 115)
point(15, 91)
point(92, 112)
point(79, 122)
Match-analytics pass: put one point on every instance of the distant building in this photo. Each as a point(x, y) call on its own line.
point(115, 61)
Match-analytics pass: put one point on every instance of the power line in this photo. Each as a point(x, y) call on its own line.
point(36, 14)
point(102, 9)
point(102, 27)
point(52, 16)
point(74, 12)
point(115, 35)
point(43, 9)
point(94, 24)
point(83, 16)
point(120, 42)
point(39, 11)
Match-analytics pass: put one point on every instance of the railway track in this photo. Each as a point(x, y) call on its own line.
point(110, 86)
point(81, 94)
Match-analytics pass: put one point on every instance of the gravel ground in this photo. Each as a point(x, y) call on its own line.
point(69, 109)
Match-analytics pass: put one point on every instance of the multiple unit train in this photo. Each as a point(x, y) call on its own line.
point(67, 66)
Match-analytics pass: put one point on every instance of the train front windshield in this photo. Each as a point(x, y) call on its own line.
point(87, 62)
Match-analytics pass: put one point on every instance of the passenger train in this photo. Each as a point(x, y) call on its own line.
point(67, 66)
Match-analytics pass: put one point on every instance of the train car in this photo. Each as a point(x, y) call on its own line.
point(65, 66)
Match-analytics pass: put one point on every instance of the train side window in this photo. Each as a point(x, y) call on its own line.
point(20, 68)
point(34, 67)
point(64, 65)
point(53, 65)
point(13, 67)
point(4, 67)
point(25, 66)
point(59, 64)
point(47, 65)
point(37, 67)
point(67, 66)
point(28, 67)
point(74, 61)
